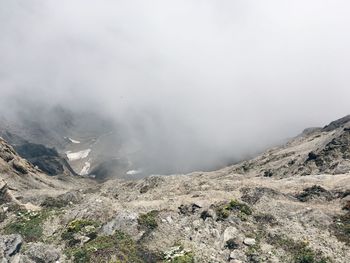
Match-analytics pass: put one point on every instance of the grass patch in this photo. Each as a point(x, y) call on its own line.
point(299, 251)
point(243, 208)
point(29, 225)
point(148, 221)
point(115, 248)
point(79, 226)
point(306, 255)
point(187, 258)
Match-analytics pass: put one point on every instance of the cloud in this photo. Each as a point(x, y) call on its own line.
point(195, 83)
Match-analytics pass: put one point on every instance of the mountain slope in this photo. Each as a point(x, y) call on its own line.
point(297, 212)
point(315, 151)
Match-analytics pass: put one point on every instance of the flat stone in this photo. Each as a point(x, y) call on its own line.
point(249, 241)
point(229, 233)
point(169, 220)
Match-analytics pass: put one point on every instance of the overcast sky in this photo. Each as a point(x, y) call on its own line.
point(206, 80)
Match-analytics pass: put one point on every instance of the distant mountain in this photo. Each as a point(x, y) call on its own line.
point(49, 137)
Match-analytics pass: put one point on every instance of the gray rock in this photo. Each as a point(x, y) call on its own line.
point(10, 245)
point(3, 186)
point(249, 241)
point(230, 233)
point(40, 252)
point(233, 255)
point(237, 255)
point(125, 221)
point(20, 166)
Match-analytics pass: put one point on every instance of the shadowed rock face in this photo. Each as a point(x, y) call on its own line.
point(47, 159)
point(110, 168)
point(32, 150)
point(314, 192)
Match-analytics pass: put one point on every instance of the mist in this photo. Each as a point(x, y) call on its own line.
point(194, 84)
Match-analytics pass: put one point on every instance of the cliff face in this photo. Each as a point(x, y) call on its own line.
point(290, 204)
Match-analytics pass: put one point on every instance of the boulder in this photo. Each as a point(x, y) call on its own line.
point(10, 245)
point(230, 233)
point(40, 252)
point(20, 166)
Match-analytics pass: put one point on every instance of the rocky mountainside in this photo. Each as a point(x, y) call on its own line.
point(290, 204)
point(315, 151)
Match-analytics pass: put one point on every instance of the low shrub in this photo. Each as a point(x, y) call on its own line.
point(148, 221)
point(243, 210)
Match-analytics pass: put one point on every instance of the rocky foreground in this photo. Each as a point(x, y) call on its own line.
point(290, 204)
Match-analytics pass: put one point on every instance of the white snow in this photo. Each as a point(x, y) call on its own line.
point(77, 155)
point(73, 141)
point(133, 172)
point(85, 169)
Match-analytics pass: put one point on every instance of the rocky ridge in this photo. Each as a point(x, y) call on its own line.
point(315, 151)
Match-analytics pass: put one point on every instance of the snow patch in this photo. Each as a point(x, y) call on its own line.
point(133, 172)
point(71, 140)
point(85, 169)
point(77, 155)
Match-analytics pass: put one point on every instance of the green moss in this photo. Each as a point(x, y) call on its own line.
point(81, 256)
point(222, 213)
point(115, 248)
point(28, 224)
point(148, 221)
point(187, 258)
point(77, 225)
point(81, 226)
point(304, 256)
point(243, 210)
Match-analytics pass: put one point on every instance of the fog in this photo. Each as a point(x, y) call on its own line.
point(196, 84)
